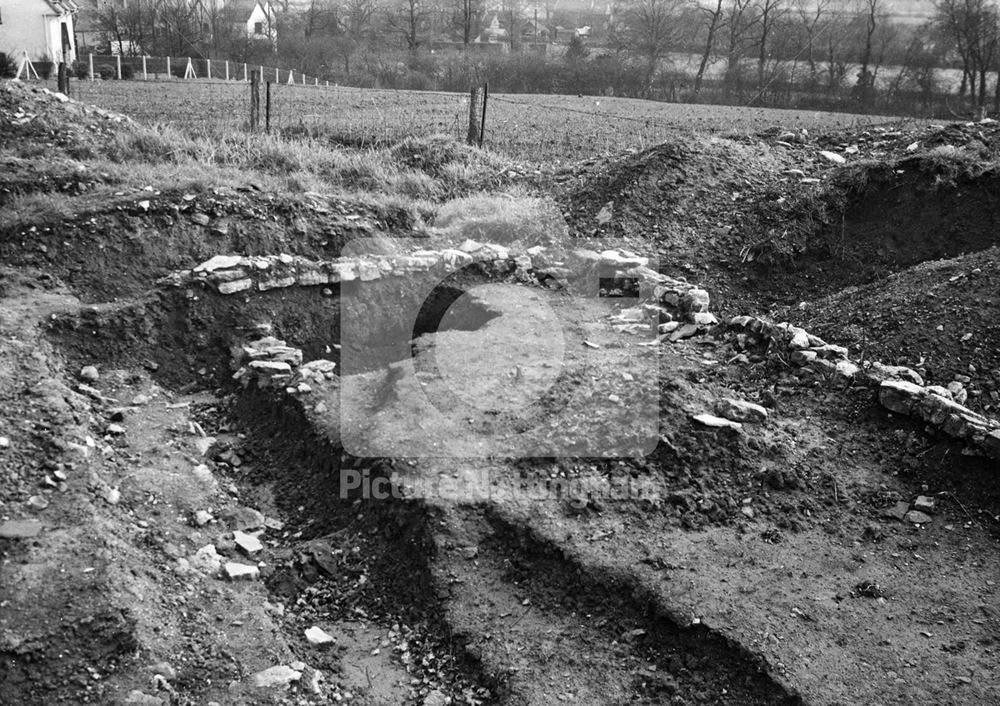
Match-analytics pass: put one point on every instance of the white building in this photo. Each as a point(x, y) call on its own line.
point(262, 22)
point(42, 29)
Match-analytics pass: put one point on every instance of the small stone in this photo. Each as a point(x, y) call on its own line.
point(710, 420)
point(89, 373)
point(219, 262)
point(436, 698)
point(238, 285)
point(140, 400)
point(924, 504)
point(694, 300)
point(832, 157)
point(740, 410)
point(241, 572)
point(200, 219)
point(899, 396)
point(4, 442)
point(704, 318)
point(115, 429)
point(202, 518)
point(207, 560)
point(112, 496)
point(917, 517)
point(800, 341)
point(281, 675)
point(38, 502)
point(247, 542)
point(318, 636)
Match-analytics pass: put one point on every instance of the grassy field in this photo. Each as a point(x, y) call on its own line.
point(538, 128)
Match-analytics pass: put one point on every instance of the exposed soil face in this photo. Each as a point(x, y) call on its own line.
point(755, 566)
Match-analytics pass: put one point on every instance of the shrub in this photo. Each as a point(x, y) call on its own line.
point(81, 70)
point(44, 68)
point(128, 72)
point(106, 72)
point(8, 69)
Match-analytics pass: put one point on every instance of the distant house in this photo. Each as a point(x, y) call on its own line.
point(261, 22)
point(493, 33)
point(42, 29)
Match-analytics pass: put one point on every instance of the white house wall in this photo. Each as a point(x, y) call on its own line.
point(31, 26)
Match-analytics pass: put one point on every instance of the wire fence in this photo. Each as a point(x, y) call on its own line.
point(215, 98)
point(117, 67)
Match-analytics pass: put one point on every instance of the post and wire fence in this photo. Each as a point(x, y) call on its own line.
point(217, 97)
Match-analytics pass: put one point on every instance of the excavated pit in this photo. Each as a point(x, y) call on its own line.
point(187, 337)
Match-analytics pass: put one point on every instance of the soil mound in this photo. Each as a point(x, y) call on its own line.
point(939, 317)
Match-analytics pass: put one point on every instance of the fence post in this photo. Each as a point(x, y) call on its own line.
point(90, 66)
point(254, 102)
point(473, 136)
point(245, 78)
point(145, 74)
point(169, 74)
point(277, 76)
point(482, 123)
point(267, 110)
point(118, 66)
point(227, 69)
point(208, 68)
point(303, 79)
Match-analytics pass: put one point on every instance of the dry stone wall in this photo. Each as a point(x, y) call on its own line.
point(900, 389)
point(673, 310)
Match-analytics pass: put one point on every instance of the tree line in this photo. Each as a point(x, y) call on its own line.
point(835, 54)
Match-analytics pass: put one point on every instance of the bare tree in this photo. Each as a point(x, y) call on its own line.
point(770, 13)
point(467, 17)
point(651, 29)
point(741, 18)
point(713, 17)
point(973, 27)
point(408, 19)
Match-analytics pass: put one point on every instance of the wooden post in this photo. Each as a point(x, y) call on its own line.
point(118, 66)
point(254, 102)
point(61, 76)
point(277, 76)
point(473, 136)
point(267, 110)
point(90, 66)
point(227, 69)
point(303, 79)
point(245, 75)
point(168, 68)
point(145, 74)
point(208, 70)
point(482, 123)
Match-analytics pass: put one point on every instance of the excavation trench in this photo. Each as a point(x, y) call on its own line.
point(405, 546)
